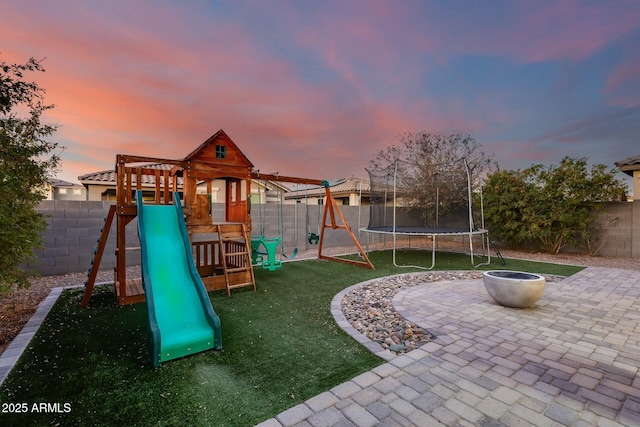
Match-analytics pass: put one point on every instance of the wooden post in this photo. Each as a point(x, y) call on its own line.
point(121, 243)
point(158, 192)
point(189, 192)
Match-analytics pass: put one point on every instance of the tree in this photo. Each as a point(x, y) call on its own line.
point(430, 172)
point(552, 206)
point(434, 149)
point(27, 161)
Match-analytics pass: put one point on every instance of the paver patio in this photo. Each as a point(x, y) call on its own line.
point(572, 360)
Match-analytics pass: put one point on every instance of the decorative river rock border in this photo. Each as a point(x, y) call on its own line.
point(369, 309)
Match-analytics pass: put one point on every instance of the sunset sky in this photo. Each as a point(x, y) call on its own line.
point(314, 88)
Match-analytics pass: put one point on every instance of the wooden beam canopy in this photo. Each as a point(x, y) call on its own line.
point(283, 178)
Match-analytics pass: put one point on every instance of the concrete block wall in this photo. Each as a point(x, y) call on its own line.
point(615, 226)
point(73, 228)
point(635, 230)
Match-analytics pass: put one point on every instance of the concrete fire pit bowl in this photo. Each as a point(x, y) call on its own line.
point(514, 289)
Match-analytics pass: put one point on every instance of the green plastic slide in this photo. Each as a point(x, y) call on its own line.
point(181, 318)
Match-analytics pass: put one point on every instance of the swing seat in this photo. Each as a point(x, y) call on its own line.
point(313, 238)
point(256, 254)
point(271, 245)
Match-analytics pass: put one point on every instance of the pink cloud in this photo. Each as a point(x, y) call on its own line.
point(622, 85)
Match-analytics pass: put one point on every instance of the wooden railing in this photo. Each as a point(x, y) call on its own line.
point(206, 256)
point(163, 182)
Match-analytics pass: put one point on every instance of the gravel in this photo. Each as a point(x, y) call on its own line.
point(370, 311)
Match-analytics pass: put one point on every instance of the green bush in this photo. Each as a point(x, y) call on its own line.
point(549, 207)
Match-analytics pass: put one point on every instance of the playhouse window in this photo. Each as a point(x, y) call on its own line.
point(232, 191)
point(243, 190)
point(221, 151)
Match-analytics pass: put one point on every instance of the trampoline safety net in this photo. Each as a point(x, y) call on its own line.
point(428, 198)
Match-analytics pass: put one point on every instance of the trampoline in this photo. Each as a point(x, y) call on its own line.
point(427, 200)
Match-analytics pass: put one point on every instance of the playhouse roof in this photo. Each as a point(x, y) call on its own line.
point(209, 151)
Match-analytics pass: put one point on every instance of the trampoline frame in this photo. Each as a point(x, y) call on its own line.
point(434, 237)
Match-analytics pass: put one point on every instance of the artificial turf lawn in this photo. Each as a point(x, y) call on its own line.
point(281, 346)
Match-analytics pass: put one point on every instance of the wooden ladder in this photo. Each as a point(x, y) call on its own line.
point(235, 256)
point(92, 273)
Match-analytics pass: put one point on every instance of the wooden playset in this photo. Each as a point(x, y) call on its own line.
point(222, 250)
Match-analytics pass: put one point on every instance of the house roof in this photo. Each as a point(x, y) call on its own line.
point(109, 176)
point(338, 186)
point(629, 165)
point(59, 183)
point(100, 176)
point(351, 185)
